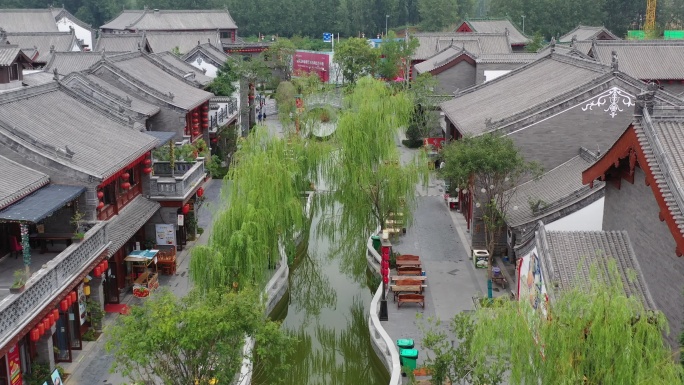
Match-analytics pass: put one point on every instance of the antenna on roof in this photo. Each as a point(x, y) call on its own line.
point(56, 75)
point(598, 150)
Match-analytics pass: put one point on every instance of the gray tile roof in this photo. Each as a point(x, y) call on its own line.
point(170, 20)
point(137, 104)
point(183, 68)
point(43, 42)
point(507, 58)
point(161, 79)
point(585, 32)
point(108, 98)
point(129, 220)
point(68, 62)
point(662, 141)
point(41, 203)
point(27, 20)
point(60, 13)
point(38, 78)
point(567, 257)
point(184, 41)
point(518, 91)
point(442, 58)
point(120, 42)
point(475, 43)
point(207, 52)
point(644, 59)
point(499, 26)
point(54, 121)
point(18, 181)
point(8, 53)
point(556, 189)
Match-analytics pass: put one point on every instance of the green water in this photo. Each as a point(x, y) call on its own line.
point(326, 309)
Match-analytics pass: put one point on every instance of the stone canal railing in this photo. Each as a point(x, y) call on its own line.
point(382, 343)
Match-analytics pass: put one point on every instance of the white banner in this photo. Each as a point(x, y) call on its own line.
point(166, 234)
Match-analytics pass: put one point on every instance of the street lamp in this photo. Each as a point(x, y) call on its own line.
point(523, 17)
point(386, 17)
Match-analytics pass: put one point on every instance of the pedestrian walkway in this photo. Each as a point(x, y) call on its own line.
point(440, 237)
point(91, 365)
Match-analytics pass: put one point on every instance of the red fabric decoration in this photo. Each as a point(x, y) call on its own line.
point(200, 192)
point(147, 162)
point(100, 195)
point(35, 335)
point(64, 305)
point(74, 297)
point(147, 170)
point(100, 205)
point(186, 208)
point(125, 185)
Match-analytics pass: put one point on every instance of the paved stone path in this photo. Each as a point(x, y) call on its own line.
point(91, 365)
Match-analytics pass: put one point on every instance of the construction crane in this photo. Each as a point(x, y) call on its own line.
point(650, 26)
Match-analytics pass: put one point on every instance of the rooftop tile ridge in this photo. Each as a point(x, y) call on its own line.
point(165, 67)
point(18, 195)
point(142, 14)
point(191, 11)
point(580, 62)
point(74, 19)
point(22, 10)
point(84, 80)
point(27, 92)
point(19, 136)
point(97, 105)
point(56, 33)
point(137, 83)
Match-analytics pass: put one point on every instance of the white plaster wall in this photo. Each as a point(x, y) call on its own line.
point(204, 65)
point(589, 218)
point(491, 75)
point(81, 33)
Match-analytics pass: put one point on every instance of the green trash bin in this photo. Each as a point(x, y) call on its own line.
point(405, 344)
point(408, 358)
point(376, 242)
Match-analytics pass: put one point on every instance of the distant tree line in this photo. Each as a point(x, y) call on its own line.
point(351, 18)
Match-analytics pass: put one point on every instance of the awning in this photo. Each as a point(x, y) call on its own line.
point(129, 220)
point(163, 137)
point(41, 203)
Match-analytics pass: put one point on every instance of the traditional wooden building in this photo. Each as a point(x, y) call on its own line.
point(181, 42)
point(41, 45)
point(644, 174)
point(67, 22)
point(549, 117)
point(588, 33)
point(517, 39)
point(122, 43)
point(207, 58)
point(12, 63)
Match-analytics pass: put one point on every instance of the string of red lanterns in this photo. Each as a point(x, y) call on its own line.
point(200, 192)
point(186, 208)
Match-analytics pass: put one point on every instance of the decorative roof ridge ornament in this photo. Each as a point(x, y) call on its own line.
point(646, 100)
point(552, 44)
point(614, 61)
point(56, 74)
point(573, 41)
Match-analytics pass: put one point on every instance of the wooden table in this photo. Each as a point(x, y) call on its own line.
point(399, 289)
point(420, 278)
point(42, 239)
point(402, 263)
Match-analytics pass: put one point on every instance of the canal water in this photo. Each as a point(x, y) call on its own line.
point(326, 309)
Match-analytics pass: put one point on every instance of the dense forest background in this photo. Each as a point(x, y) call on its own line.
point(353, 17)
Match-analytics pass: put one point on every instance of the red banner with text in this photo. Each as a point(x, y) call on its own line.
point(311, 62)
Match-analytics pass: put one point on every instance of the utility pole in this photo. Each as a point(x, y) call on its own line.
point(386, 17)
point(523, 17)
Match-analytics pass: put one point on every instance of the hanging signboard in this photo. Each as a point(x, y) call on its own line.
point(14, 366)
point(81, 303)
point(166, 234)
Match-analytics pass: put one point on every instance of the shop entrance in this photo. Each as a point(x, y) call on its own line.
point(109, 284)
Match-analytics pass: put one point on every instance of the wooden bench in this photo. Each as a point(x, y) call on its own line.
point(420, 278)
point(409, 263)
point(411, 286)
point(43, 238)
point(411, 298)
point(409, 270)
point(408, 257)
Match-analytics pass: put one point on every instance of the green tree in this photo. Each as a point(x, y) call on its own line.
point(367, 159)
point(536, 44)
point(424, 118)
point(195, 339)
point(591, 334)
point(279, 57)
point(394, 55)
point(356, 58)
point(224, 82)
point(285, 102)
point(491, 166)
point(436, 15)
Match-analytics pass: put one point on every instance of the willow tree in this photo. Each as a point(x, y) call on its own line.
point(365, 176)
point(265, 210)
point(591, 334)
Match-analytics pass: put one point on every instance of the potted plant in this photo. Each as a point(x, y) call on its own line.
point(19, 281)
point(77, 220)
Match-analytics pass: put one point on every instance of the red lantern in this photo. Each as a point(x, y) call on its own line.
point(55, 313)
point(385, 279)
point(125, 176)
point(205, 108)
point(52, 319)
point(186, 208)
point(35, 335)
point(125, 185)
point(195, 114)
point(195, 133)
point(64, 305)
point(100, 205)
point(200, 192)
point(100, 195)
point(106, 264)
point(69, 301)
point(205, 125)
point(195, 120)
point(41, 328)
point(147, 162)
point(46, 324)
point(147, 170)
point(96, 273)
point(74, 297)
point(214, 140)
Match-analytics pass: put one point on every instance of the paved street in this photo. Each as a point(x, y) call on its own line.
point(91, 365)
